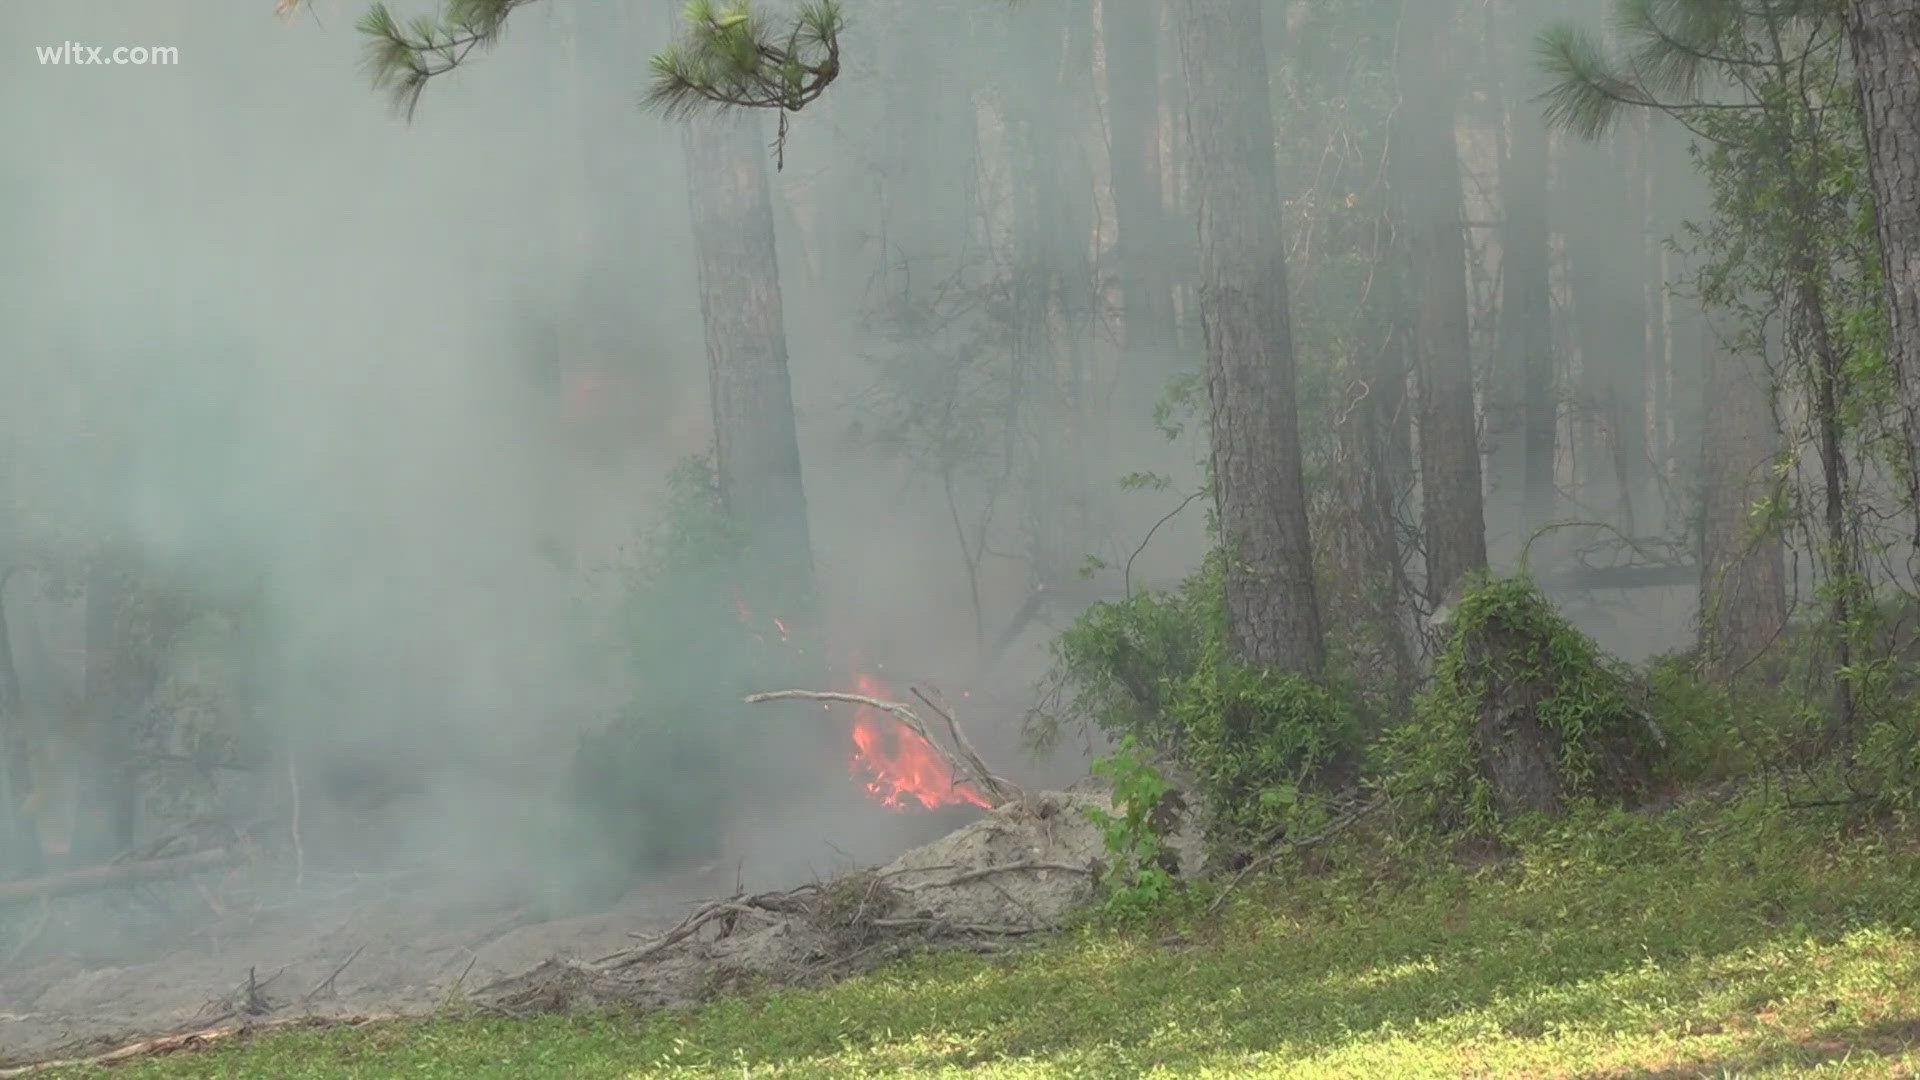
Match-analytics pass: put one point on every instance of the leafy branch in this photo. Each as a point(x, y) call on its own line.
point(402, 58)
point(729, 57)
point(732, 57)
point(1675, 49)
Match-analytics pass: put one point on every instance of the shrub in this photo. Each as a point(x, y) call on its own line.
point(1525, 713)
point(1154, 671)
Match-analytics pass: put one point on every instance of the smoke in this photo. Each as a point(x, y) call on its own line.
point(402, 390)
point(278, 344)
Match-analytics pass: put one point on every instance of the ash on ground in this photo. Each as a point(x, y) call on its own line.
point(397, 949)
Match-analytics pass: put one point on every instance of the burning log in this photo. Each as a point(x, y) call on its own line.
point(993, 791)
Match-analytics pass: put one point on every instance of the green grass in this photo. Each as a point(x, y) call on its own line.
point(1704, 942)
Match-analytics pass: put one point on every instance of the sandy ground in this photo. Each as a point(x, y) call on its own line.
point(91, 973)
point(84, 974)
point(348, 945)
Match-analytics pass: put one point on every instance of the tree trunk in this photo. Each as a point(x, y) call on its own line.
point(1452, 514)
point(1131, 32)
point(1650, 144)
point(19, 846)
point(108, 798)
point(1743, 591)
point(1360, 534)
point(1609, 321)
point(1885, 36)
point(1273, 619)
point(1526, 306)
point(1049, 56)
point(756, 449)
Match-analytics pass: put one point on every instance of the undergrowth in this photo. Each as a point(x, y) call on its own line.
point(1154, 673)
point(1722, 937)
point(1507, 651)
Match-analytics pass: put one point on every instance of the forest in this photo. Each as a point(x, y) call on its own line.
point(1049, 538)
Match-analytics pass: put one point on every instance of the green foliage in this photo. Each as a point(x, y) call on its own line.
point(402, 57)
point(1788, 263)
point(1720, 941)
point(1706, 737)
point(1505, 638)
point(728, 57)
point(1154, 672)
point(731, 57)
point(1142, 873)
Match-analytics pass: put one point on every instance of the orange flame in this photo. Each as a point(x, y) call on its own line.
point(899, 762)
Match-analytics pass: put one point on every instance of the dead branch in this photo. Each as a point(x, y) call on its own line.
point(926, 923)
point(903, 713)
point(326, 984)
point(454, 990)
point(999, 790)
point(299, 851)
point(1340, 825)
point(249, 998)
point(186, 1040)
point(107, 877)
point(687, 928)
point(712, 910)
point(989, 871)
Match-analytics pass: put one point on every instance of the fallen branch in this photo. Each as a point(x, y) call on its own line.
point(928, 923)
point(766, 904)
point(107, 877)
point(998, 790)
point(905, 714)
point(186, 1040)
point(986, 872)
point(1340, 825)
point(326, 984)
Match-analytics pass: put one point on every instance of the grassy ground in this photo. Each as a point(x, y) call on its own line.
point(1734, 941)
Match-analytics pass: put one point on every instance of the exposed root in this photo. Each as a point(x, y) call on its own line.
point(984, 872)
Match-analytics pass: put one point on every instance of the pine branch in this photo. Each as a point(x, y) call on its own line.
point(1675, 47)
point(732, 58)
point(1588, 95)
point(402, 59)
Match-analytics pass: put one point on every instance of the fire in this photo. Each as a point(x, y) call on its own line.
point(900, 764)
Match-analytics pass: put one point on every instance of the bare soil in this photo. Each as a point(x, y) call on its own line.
point(235, 948)
point(189, 956)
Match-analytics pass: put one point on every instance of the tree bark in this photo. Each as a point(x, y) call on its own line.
point(1273, 619)
point(1885, 38)
point(1609, 320)
point(113, 673)
point(19, 846)
point(756, 449)
point(1743, 591)
point(1526, 306)
point(1452, 511)
point(1131, 31)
